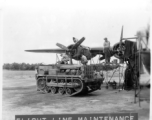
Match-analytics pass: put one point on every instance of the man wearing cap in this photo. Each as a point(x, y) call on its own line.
point(106, 50)
point(75, 40)
point(65, 58)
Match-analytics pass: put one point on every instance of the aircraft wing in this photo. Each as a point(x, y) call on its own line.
point(97, 50)
point(47, 51)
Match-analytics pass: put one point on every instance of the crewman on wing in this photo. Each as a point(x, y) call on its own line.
point(106, 50)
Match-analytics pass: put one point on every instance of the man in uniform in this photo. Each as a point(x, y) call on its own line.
point(106, 50)
point(75, 40)
point(84, 60)
point(65, 58)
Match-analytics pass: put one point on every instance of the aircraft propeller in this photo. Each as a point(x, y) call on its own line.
point(119, 49)
point(78, 43)
point(69, 51)
point(120, 52)
point(121, 37)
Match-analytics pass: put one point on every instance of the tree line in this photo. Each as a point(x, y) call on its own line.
point(20, 66)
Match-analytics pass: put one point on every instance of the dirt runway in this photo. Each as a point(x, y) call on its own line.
point(21, 98)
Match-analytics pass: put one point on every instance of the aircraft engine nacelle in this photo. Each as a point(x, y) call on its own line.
point(118, 50)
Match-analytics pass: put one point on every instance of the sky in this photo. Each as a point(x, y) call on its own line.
point(37, 24)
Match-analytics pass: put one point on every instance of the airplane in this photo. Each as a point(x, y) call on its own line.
point(118, 50)
point(75, 51)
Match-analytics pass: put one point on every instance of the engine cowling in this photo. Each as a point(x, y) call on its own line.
point(118, 51)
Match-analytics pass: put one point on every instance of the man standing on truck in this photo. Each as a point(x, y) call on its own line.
point(65, 58)
point(106, 50)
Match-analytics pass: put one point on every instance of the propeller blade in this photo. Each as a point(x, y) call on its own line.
point(121, 37)
point(62, 46)
point(130, 38)
point(78, 43)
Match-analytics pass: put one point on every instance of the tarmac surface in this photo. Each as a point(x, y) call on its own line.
point(21, 98)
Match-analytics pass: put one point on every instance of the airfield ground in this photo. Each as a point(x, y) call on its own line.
point(21, 98)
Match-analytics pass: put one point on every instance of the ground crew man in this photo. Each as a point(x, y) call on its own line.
point(106, 50)
point(75, 40)
point(84, 60)
point(65, 58)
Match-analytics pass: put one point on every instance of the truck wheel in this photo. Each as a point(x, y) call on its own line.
point(54, 90)
point(41, 83)
point(69, 91)
point(61, 90)
point(46, 90)
point(78, 86)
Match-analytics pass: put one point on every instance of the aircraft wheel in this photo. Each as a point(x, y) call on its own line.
point(61, 90)
point(54, 90)
point(69, 91)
